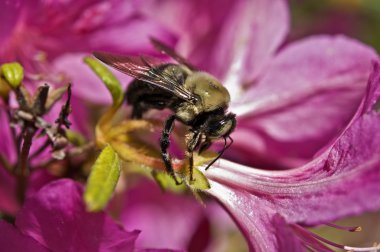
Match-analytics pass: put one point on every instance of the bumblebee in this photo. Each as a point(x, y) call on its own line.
point(196, 98)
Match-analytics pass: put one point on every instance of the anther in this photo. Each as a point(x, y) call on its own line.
point(349, 229)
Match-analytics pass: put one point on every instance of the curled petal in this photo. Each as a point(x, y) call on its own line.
point(342, 181)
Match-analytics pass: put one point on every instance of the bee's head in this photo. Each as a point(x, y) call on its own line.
point(220, 126)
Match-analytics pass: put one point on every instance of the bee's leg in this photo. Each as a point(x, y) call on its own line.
point(139, 108)
point(148, 102)
point(192, 143)
point(137, 112)
point(164, 144)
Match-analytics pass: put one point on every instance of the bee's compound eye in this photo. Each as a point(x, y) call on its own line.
point(223, 127)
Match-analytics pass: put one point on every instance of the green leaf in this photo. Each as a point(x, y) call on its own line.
point(103, 179)
point(112, 83)
point(13, 73)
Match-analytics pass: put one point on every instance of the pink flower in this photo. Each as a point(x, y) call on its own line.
point(299, 107)
point(304, 107)
point(55, 219)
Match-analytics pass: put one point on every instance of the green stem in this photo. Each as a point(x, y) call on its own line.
point(23, 171)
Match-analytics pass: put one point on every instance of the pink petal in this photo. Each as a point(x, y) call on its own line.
point(231, 39)
point(10, 14)
point(57, 219)
point(307, 96)
point(342, 181)
point(11, 239)
point(373, 89)
point(8, 202)
point(85, 26)
point(257, 220)
point(252, 32)
point(7, 147)
point(167, 220)
point(130, 37)
point(253, 224)
point(159, 250)
point(286, 239)
point(197, 35)
point(85, 84)
point(37, 180)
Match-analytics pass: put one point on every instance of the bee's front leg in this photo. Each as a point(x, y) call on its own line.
point(164, 144)
point(192, 142)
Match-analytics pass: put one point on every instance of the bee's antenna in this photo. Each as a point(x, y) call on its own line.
point(221, 153)
point(165, 49)
point(232, 141)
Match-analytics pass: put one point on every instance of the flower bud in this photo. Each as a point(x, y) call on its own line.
point(13, 73)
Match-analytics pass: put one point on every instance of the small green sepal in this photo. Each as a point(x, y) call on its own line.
point(200, 181)
point(166, 182)
point(112, 83)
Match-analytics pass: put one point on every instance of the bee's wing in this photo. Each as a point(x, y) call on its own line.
point(143, 68)
point(160, 46)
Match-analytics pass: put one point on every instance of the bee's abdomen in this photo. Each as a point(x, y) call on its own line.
point(144, 96)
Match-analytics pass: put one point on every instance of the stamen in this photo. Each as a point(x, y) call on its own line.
point(349, 229)
point(376, 248)
point(307, 234)
point(309, 248)
point(313, 240)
